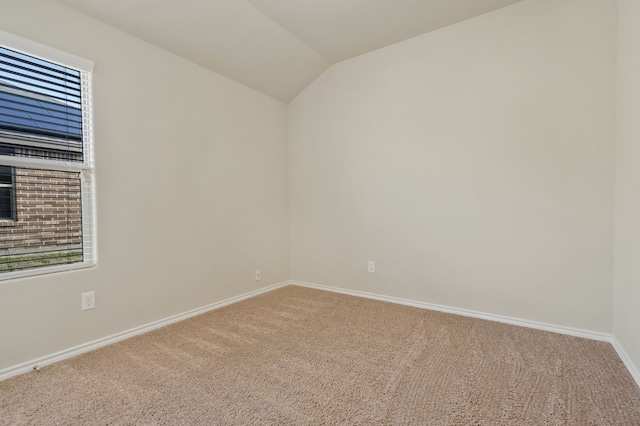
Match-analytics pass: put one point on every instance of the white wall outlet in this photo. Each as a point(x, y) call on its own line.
point(371, 267)
point(258, 275)
point(88, 300)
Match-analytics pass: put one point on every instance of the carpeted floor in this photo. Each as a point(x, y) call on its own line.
point(298, 356)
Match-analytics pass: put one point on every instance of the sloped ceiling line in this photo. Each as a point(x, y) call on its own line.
point(279, 46)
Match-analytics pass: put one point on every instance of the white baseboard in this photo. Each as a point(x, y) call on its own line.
point(86, 347)
point(587, 334)
point(633, 370)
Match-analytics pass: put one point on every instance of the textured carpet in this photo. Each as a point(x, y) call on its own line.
point(298, 356)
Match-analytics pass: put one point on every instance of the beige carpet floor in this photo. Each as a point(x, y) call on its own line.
point(298, 356)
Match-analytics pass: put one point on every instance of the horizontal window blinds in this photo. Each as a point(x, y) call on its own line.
point(45, 178)
point(40, 108)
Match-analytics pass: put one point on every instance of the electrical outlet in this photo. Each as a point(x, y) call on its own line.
point(258, 275)
point(371, 267)
point(88, 300)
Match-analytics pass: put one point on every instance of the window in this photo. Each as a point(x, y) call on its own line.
point(46, 166)
point(7, 194)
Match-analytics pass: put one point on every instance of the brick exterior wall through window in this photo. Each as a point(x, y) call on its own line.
point(48, 213)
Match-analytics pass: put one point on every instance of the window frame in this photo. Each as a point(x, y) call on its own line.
point(86, 168)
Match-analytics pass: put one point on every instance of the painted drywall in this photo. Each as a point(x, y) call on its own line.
point(626, 308)
point(191, 190)
point(474, 164)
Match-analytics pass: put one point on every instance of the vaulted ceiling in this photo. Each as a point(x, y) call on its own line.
point(278, 46)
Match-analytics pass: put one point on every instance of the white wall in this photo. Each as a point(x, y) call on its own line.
point(191, 190)
point(626, 319)
point(474, 164)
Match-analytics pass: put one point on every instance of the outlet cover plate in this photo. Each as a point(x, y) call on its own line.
point(371, 267)
point(88, 300)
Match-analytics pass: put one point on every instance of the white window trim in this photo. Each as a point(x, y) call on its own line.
point(33, 48)
point(86, 168)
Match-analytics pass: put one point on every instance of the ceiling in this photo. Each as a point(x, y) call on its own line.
point(278, 46)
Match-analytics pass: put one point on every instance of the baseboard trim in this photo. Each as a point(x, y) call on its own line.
point(95, 344)
point(594, 335)
point(633, 370)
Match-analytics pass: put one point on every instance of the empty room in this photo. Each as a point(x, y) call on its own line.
point(367, 212)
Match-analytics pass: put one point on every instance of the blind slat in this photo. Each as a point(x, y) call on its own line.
point(34, 68)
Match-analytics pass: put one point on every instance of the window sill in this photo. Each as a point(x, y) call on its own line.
point(46, 270)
